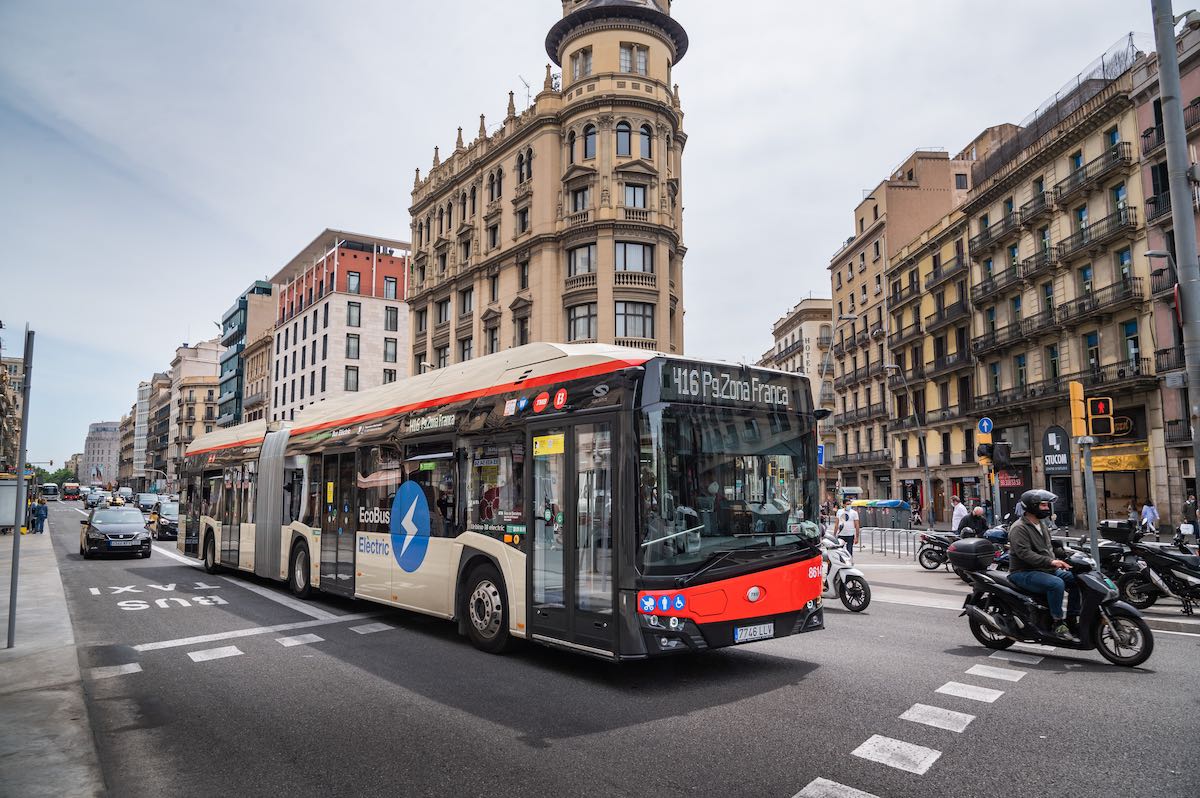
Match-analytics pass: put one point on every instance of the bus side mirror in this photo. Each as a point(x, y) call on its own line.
point(822, 413)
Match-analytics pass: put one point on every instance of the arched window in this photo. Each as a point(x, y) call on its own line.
point(462, 206)
point(529, 164)
point(429, 227)
point(441, 221)
point(450, 216)
point(491, 187)
point(472, 200)
point(499, 183)
point(589, 142)
point(521, 167)
point(571, 147)
point(420, 233)
point(647, 138)
point(623, 138)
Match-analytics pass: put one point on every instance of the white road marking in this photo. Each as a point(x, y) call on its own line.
point(1017, 657)
point(298, 640)
point(174, 555)
point(299, 606)
point(108, 671)
point(215, 653)
point(1034, 647)
point(937, 717)
point(368, 628)
point(824, 788)
point(1003, 674)
point(95, 591)
point(250, 632)
point(897, 754)
point(1169, 632)
point(984, 694)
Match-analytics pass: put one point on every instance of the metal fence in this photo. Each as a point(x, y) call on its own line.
point(902, 543)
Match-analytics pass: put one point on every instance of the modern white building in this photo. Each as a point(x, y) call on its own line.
point(101, 453)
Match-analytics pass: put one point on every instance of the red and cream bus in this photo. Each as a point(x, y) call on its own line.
point(606, 500)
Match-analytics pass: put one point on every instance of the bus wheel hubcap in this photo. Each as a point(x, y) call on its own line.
point(486, 609)
point(300, 568)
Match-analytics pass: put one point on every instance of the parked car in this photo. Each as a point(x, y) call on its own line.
point(113, 530)
point(164, 521)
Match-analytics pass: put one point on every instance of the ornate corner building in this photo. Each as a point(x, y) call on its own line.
point(565, 223)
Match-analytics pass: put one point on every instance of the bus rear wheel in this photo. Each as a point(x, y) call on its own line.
point(486, 610)
point(210, 556)
point(298, 572)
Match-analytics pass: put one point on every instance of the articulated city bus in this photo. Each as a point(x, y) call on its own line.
point(606, 500)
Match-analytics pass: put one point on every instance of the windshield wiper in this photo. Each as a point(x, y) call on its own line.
point(714, 559)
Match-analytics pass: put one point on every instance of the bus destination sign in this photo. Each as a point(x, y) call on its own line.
point(728, 385)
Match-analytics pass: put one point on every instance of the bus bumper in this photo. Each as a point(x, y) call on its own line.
point(675, 635)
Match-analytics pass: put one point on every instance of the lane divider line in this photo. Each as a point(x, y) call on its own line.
point(174, 555)
point(897, 754)
point(824, 788)
point(302, 607)
point(938, 718)
point(1017, 657)
point(250, 632)
point(215, 653)
point(1036, 648)
point(109, 671)
point(984, 694)
point(370, 628)
point(1002, 674)
point(298, 640)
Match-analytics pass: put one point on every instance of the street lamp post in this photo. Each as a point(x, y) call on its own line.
point(921, 448)
point(1180, 174)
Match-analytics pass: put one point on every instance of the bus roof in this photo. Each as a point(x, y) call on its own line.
point(529, 366)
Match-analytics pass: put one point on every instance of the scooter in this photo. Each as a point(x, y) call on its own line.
point(932, 554)
point(842, 579)
point(1000, 613)
point(1165, 573)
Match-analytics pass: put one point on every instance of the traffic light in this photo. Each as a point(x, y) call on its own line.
point(984, 451)
point(1099, 415)
point(1079, 426)
point(1000, 453)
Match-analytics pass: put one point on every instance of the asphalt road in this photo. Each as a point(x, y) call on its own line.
point(398, 704)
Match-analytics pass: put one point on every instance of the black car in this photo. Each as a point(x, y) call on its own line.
point(114, 530)
point(96, 498)
point(164, 521)
point(146, 501)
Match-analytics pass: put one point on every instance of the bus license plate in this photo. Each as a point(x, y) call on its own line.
point(744, 634)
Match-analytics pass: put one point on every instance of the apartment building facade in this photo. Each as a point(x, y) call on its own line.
point(803, 339)
point(1169, 364)
point(158, 431)
point(257, 359)
point(195, 368)
point(932, 384)
point(565, 223)
point(141, 431)
point(1062, 291)
point(12, 386)
point(101, 453)
point(923, 189)
point(341, 320)
point(125, 459)
point(251, 314)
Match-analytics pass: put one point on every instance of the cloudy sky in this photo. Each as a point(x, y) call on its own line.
point(156, 157)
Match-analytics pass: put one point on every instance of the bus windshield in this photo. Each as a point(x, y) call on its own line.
point(716, 481)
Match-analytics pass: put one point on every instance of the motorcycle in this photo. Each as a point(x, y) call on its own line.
point(999, 613)
point(932, 553)
point(998, 536)
point(841, 578)
point(1166, 572)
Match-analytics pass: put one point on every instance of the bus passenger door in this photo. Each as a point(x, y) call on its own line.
point(548, 599)
point(338, 525)
point(230, 527)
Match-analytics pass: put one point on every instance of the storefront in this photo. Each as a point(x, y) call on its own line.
point(969, 489)
point(1013, 480)
point(1121, 466)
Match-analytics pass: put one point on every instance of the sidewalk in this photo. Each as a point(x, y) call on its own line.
point(901, 580)
point(46, 743)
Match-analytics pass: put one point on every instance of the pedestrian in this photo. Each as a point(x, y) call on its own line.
point(1131, 512)
point(989, 511)
point(1150, 517)
point(848, 528)
point(974, 525)
point(40, 513)
point(1189, 514)
point(960, 512)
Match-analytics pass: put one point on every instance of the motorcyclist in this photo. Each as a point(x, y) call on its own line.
point(974, 525)
point(1038, 566)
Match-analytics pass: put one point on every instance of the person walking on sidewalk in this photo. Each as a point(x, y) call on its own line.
point(848, 527)
point(40, 513)
point(960, 513)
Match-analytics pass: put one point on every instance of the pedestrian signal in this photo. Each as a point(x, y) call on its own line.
point(1099, 415)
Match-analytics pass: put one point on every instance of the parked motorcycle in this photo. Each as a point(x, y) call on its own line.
point(932, 553)
point(1167, 571)
point(999, 613)
point(842, 579)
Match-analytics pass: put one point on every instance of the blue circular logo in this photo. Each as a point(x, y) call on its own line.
point(410, 526)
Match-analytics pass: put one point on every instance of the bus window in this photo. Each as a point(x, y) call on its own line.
point(213, 494)
point(495, 496)
point(432, 466)
point(380, 473)
point(293, 494)
point(312, 509)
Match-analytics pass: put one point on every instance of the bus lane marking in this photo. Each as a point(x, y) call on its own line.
point(282, 598)
point(215, 653)
point(109, 671)
point(824, 788)
point(370, 628)
point(897, 754)
point(250, 632)
point(299, 640)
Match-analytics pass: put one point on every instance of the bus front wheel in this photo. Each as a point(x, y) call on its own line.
point(210, 556)
point(486, 610)
point(298, 572)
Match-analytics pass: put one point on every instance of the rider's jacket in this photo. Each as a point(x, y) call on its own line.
point(1030, 547)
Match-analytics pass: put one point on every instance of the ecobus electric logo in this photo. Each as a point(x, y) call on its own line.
point(409, 525)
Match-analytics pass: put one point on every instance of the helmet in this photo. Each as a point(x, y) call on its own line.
point(1039, 503)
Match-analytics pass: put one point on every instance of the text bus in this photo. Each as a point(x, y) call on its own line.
point(601, 499)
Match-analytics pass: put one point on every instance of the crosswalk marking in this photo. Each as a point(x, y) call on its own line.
point(214, 653)
point(937, 717)
point(108, 671)
point(1035, 647)
point(368, 628)
point(298, 640)
point(1003, 674)
point(824, 788)
point(984, 694)
point(897, 754)
point(1017, 657)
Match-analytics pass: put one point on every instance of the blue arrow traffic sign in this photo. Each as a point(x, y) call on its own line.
point(985, 425)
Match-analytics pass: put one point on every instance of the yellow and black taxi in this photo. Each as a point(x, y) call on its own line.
point(164, 521)
point(114, 530)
